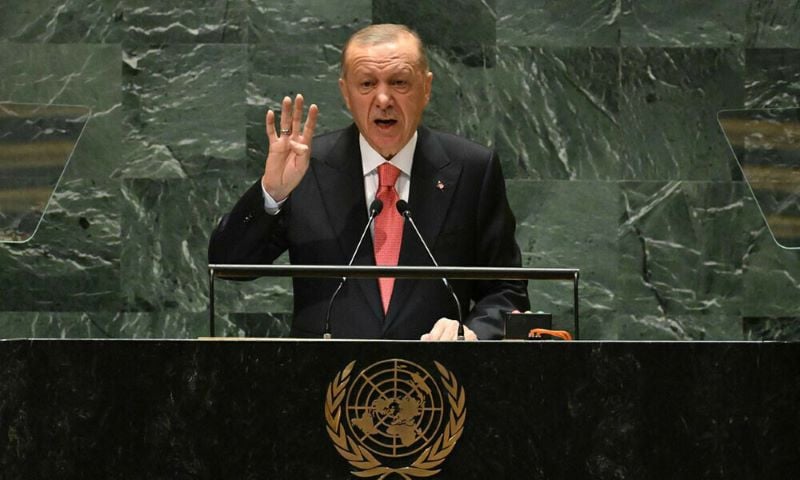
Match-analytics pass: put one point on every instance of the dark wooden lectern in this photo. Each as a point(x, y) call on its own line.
point(270, 409)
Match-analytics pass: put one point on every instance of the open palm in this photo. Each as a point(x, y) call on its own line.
point(289, 148)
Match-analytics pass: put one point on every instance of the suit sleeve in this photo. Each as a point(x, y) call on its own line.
point(248, 234)
point(496, 247)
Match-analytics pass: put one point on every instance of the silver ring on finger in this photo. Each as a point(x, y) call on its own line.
point(286, 131)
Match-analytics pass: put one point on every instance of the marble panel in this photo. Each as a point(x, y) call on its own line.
point(312, 70)
point(683, 23)
point(153, 22)
point(130, 325)
point(165, 232)
point(668, 113)
point(456, 22)
point(165, 324)
point(671, 259)
point(682, 246)
point(71, 74)
point(45, 324)
point(461, 95)
point(184, 110)
point(690, 327)
point(140, 325)
point(773, 23)
point(562, 224)
point(772, 78)
point(257, 325)
point(65, 21)
point(558, 113)
point(311, 22)
point(771, 273)
point(72, 263)
point(779, 329)
point(269, 297)
point(567, 23)
point(166, 227)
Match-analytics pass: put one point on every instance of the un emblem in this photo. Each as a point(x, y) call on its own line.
point(393, 418)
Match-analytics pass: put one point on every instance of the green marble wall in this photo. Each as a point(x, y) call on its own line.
point(604, 112)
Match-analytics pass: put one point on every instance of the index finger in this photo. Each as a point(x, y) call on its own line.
point(271, 134)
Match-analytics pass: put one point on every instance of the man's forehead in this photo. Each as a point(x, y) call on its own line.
point(401, 50)
point(387, 58)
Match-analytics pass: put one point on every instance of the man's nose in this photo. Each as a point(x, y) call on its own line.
point(383, 97)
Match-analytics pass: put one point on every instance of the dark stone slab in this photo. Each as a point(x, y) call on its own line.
point(184, 110)
point(286, 70)
point(457, 22)
point(683, 23)
point(462, 98)
point(567, 23)
point(772, 77)
point(682, 245)
point(147, 22)
point(668, 112)
point(773, 23)
point(558, 113)
point(69, 21)
point(548, 238)
point(273, 24)
point(249, 409)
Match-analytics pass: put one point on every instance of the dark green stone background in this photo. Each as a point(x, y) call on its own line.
point(604, 112)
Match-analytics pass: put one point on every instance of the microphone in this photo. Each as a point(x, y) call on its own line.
point(402, 207)
point(374, 209)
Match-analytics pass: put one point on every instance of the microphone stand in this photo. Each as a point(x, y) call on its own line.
point(374, 209)
point(402, 207)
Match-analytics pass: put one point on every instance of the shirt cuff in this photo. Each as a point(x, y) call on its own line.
point(270, 205)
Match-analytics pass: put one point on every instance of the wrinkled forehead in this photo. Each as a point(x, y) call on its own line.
point(404, 51)
point(386, 57)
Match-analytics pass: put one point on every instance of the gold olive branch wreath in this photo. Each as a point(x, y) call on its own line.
point(366, 463)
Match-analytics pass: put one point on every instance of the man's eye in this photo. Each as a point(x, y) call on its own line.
point(400, 83)
point(366, 83)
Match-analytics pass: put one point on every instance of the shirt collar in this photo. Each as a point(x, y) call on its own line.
point(370, 159)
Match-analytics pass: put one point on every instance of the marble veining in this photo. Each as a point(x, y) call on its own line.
point(603, 113)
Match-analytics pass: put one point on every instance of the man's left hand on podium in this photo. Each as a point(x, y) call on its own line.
point(446, 329)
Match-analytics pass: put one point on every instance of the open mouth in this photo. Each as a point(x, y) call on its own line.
point(385, 123)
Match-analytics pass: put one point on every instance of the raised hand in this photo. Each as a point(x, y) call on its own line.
point(289, 149)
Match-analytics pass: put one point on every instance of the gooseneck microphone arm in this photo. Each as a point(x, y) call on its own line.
point(374, 209)
point(402, 207)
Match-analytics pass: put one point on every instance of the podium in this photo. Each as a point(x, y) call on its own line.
point(128, 409)
point(233, 272)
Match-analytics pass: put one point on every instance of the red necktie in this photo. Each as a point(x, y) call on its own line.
point(388, 228)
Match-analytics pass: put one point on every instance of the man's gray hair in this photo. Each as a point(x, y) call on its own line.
point(384, 33)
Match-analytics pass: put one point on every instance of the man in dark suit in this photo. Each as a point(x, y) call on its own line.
point(313, 200)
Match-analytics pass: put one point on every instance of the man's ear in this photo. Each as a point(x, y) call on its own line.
point(343, 91)
point(428, 84)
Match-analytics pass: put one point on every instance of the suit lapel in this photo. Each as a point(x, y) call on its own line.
point(433, 184)
point(341, 185)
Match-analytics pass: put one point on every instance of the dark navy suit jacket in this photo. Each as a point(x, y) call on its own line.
point(467, 223)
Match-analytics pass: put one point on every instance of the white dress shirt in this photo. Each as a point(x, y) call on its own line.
point(371, 160)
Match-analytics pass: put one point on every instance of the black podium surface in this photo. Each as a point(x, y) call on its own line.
point(273, 409)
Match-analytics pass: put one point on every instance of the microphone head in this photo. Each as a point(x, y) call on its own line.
point(375, 207)
point(402, 207)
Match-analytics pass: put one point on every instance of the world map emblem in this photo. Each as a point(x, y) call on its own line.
point(394, 418)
